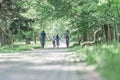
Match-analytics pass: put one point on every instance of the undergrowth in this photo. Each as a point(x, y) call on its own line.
point(106, 57)
point(18, 48)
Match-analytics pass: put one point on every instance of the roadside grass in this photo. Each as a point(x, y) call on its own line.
point(18, 47)
point(105, 57)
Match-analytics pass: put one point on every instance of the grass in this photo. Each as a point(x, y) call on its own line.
point(106, 57)
point(18, 47)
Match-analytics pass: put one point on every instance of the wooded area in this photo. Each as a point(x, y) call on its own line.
point(24, 19)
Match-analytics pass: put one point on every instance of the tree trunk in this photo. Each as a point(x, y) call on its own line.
point(116, 32)
point(108, 33)
point(5, 37)
point(27, 41)
point(3, 40)
point(79, 39)
point(105, 27)
point(85, 37)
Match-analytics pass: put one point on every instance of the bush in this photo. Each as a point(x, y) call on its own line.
point(18, 48)
point(106, 57)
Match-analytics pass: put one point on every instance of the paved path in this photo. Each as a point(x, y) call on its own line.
point(44, 64)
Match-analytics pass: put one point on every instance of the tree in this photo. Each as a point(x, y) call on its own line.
point(10, 15)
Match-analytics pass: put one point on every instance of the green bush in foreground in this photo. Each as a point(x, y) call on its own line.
point(111, 69)
point(106, 57)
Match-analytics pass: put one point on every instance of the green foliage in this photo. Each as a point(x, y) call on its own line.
point(106, 57)
point(44, 11)
point(12, 20)
point(20, 24)
point(83, 15)
point(111, 69)
point(18, 48)
point(61, 8)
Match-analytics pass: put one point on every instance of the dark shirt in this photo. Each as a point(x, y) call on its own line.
point(57, 37)
point(43, 34)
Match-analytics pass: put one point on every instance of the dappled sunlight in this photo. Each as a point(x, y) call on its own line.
point(44, 64)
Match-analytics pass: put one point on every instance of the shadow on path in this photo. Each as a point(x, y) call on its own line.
point(49, 50)
point(44, 64)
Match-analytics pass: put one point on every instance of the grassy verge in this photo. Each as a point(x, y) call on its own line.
point(18, 48)
point(106, 57)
